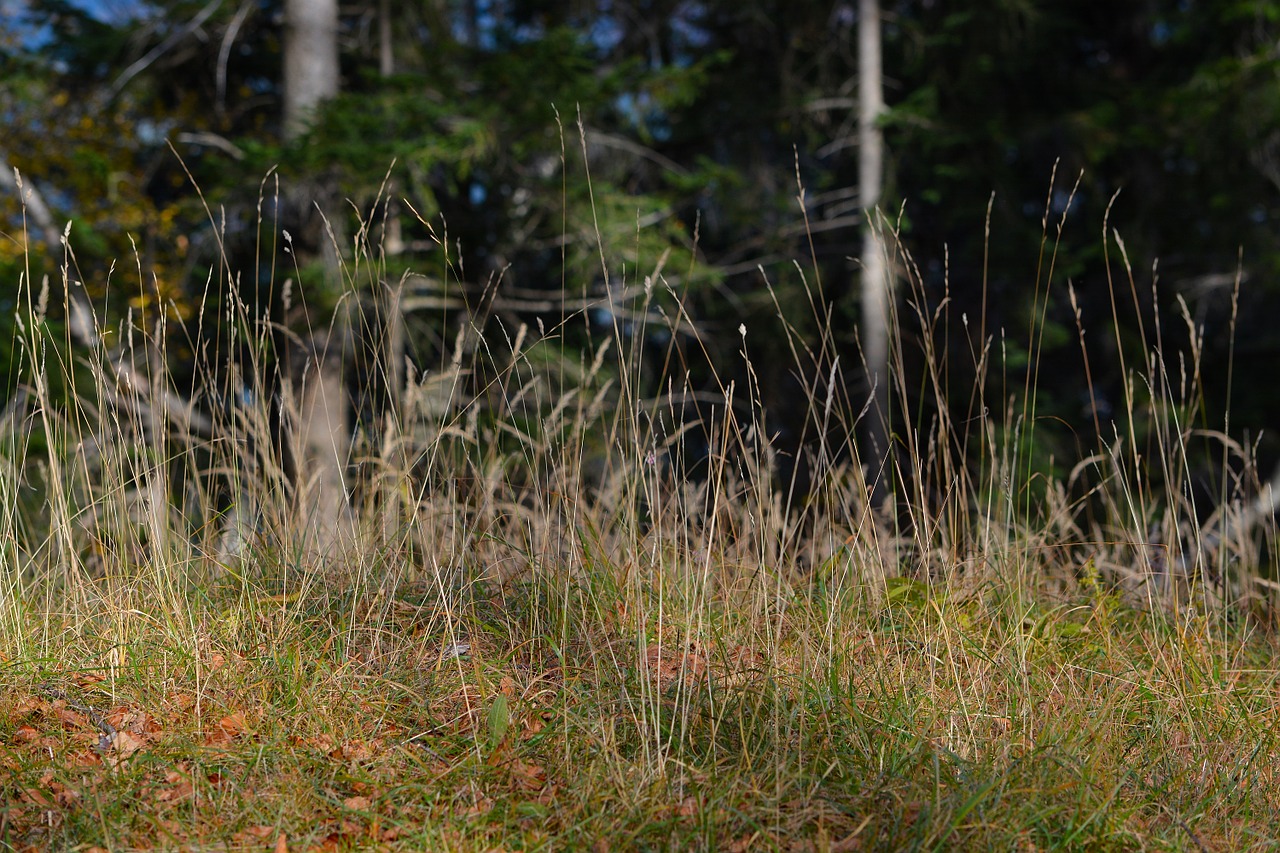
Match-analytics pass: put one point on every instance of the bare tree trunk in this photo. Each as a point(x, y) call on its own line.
point(325, 436)
point(310, 59)
point(875, 282)
point(317, 400)
point(386, 58)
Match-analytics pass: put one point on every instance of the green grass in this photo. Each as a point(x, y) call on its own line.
point(539, 637)
point(981, 720)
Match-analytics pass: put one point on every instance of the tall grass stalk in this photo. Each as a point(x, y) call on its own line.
point(543, 630)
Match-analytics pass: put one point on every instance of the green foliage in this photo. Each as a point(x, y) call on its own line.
point(704, 126)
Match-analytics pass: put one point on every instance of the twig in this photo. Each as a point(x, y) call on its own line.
point(105, 740)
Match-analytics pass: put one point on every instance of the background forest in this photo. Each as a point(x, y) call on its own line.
point(721, 138)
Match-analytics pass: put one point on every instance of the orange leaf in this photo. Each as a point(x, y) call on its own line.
point(232, 724)
point(282, 845)
point(357, 804)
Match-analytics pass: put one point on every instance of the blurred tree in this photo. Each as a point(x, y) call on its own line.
point(705, 122)
point(310, 60)
point(876, 286)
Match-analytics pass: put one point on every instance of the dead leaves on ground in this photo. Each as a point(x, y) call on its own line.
point(180, 756)
point(176, 763)
point(668, 665)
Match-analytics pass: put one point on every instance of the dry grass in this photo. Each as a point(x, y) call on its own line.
point(543, 637)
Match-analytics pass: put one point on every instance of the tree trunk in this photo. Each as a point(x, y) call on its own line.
point(386, 57)
point(317, 400)
point(310, 60)
point(875, 281)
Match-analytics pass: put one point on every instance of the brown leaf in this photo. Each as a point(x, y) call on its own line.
point(71, 719)
point(357, 804)
point(233, 724)
point(531, 726)
point(126, 743)
point(482, 806)
point(85, 758)
point(26, 734)
point(177, 792)
point(530, 777)
point(688, 807)
point(667, 665)
point(228, 729)
point(357, 750)
point(282, 845)
point(31, 795)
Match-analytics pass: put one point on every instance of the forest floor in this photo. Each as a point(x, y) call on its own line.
point(939, 718)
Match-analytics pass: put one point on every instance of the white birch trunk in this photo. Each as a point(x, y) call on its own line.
point(875, 288)
point(310, 60)
point(320, 406)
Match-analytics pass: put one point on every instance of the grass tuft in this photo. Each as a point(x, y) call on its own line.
point(559, 612)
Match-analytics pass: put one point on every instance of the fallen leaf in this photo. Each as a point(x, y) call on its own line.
point(31, 795)
point(228, 729)
point(85, 758)
point(176, 794)
point(282, 845)
point(357, 804)
point(482, 806)
point(71, 719)
point(530, 777)
point(126, 743)
point(232, 724)
point(355, 751)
